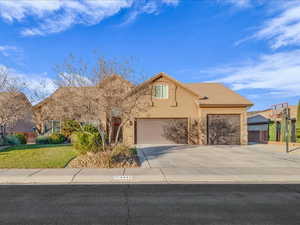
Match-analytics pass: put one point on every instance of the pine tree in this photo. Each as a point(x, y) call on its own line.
point(298, 123)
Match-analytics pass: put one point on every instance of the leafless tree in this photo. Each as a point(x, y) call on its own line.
point(178, 131)
point(13, 103)
point(104, 92)
point(222, 131)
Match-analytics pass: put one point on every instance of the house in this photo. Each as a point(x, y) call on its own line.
point(258, 129)
point(218, 114)
point(52, 111)
point(263, 127)
point(16, 114)
point(198, 105)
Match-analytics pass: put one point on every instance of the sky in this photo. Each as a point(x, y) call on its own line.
point(252, 46)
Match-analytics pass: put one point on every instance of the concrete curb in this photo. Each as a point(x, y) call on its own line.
point(137, 176)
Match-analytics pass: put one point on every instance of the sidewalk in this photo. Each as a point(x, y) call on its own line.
point(150, 175)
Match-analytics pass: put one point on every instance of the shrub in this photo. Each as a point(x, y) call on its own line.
point(90, 128)
point(12, 140)
point(42, 140)
point(3, 141)
point(272, 131)
point(106, 159)
point(86, 142)
point(57, 138)
point(22, 138)
point(69, 126)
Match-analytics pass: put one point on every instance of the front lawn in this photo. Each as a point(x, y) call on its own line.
point(37, 156)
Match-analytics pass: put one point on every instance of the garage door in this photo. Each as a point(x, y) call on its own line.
point(161, 131)
point(224, 129)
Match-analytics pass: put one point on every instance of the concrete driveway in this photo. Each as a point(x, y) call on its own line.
point(187, 156)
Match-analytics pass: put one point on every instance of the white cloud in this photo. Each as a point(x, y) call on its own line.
point(283, 29)
point(53, 16)
point(36, 87)
point(171, 2)
point(6, 50)
point(277, 74)
point(239, 3)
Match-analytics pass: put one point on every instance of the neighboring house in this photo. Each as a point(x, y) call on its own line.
point(23, 121)
point(51, 112)
point(258, 129)
point(262, 127)
point(196, 105)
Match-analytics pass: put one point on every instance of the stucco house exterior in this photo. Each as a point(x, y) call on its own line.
point(262, 127)
point(24, 122)
point(197, 105)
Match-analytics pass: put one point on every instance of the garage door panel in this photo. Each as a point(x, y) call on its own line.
point(224, 129)
point(153, 131)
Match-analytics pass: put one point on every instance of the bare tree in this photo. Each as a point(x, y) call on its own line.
point(104, 92)
point(14, 105)
point(222, 131)
point(179, 132)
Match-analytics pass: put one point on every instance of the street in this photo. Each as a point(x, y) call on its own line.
point(229, 204)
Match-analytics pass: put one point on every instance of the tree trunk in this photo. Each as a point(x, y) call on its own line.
point(118, 131)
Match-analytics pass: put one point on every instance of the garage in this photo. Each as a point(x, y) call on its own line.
point(154, 131)
point(224, 129)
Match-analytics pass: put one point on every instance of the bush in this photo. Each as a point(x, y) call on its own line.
point(69, 126)
point(22, 138)
point(12, 140)
point(90, 128)
point(86, 142)
point(57, 138)
point(42, 140)
point(3, 141)
point(120, 156)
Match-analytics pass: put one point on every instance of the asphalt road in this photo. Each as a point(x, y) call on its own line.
point(150, 204)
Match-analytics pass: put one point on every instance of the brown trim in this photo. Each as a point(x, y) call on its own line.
point(135, 131)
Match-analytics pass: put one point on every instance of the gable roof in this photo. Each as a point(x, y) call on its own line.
point(218, 94)
point(257, 119)
point(209, 94)
point(15, 96)
point(92, 90)
point(59, 92)
point(162, 74)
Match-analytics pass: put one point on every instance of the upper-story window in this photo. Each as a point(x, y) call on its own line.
point(161, 91)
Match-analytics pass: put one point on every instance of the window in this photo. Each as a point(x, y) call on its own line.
point(51, 126)
point(161, 91)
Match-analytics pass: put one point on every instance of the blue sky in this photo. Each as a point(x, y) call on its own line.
point(253, 46)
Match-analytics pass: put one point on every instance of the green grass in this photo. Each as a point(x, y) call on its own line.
point(37, 156)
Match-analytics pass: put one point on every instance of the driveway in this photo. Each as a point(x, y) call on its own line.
point(187, 156)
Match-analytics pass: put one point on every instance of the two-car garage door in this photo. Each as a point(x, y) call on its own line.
point(152, 131)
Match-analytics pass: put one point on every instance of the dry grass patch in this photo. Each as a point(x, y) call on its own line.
point(119, 157)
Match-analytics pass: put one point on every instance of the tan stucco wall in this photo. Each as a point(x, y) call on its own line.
point(239, 111)
point(180, 104)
